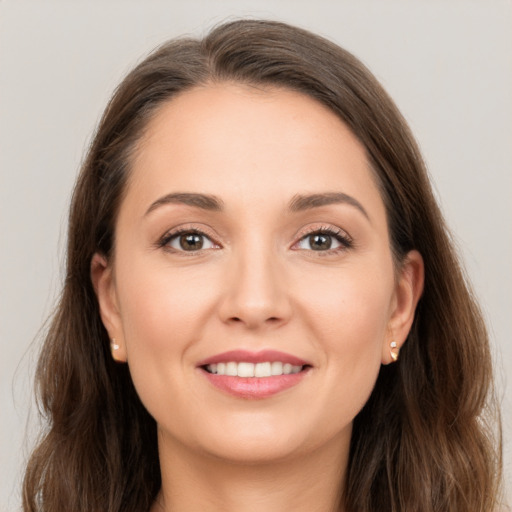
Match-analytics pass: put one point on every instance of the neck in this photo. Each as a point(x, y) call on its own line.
point(192, 481)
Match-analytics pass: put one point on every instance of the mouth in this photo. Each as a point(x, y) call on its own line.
point(254, 375)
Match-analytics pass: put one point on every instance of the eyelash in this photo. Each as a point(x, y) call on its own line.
point(168, 237)
point(338, 234)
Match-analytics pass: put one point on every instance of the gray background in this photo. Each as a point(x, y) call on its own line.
point(447, 64)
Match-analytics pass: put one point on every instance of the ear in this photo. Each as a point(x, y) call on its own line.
point(103, 282)
point(408, 290)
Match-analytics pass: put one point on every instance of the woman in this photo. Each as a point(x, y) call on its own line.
point(262, 308)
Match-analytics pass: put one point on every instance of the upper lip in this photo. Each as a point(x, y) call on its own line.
point(245, 356)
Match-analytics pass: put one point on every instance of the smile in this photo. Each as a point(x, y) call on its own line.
point(254, 375)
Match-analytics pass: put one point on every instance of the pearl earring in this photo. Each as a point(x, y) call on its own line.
point(113, 345)
point(394, 351)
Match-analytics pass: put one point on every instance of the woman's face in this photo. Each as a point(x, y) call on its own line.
point(252, 240)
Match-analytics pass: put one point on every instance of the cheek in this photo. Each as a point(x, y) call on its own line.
point(161, 305)
point(348, 318)
point(350, 307)
point(162, 311)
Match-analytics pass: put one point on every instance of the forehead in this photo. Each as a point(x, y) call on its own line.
point(241, 141)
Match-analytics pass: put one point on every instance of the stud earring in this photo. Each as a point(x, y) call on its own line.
point(394, 351)
point(114, 347)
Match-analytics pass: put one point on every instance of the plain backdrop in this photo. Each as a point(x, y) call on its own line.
point(446, 63)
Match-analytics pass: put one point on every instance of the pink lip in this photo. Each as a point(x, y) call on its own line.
point(240, 356)
point(254, 387)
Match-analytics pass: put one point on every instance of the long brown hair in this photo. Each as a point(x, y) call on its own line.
point(425, 440)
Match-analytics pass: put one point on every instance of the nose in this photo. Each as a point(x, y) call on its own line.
point(256, 295)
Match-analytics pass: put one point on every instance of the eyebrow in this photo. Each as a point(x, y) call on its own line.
point(203, 201)
point(305, 202)
point(297, 204)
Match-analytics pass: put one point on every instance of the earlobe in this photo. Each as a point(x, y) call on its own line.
point(104, 286)
point(115, 350)
point(408, 291)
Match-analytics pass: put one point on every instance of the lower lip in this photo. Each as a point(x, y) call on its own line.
point(254, 387)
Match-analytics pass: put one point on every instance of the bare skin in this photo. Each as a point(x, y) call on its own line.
point(252, 221)
point(274, 487)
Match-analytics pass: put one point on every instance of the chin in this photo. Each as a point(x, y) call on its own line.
point(252, 441)
point(255, 450)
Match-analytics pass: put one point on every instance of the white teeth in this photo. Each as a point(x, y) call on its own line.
point(244, 369)
point(232, 369)
point(276, 368)
point(262, 370)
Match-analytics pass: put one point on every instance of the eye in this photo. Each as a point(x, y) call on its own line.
point(324, 240)
point(188, 241)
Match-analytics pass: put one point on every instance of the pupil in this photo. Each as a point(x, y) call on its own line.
point(191, 242)
point(320, 242)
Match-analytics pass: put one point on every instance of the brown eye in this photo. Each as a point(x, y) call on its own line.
point(189, 241)
point(324, 240)
point(320, 242)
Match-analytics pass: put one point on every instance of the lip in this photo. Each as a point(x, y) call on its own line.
point(240, 356)
point(254, 387)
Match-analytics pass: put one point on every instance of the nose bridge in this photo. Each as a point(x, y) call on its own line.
point(256, 293)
